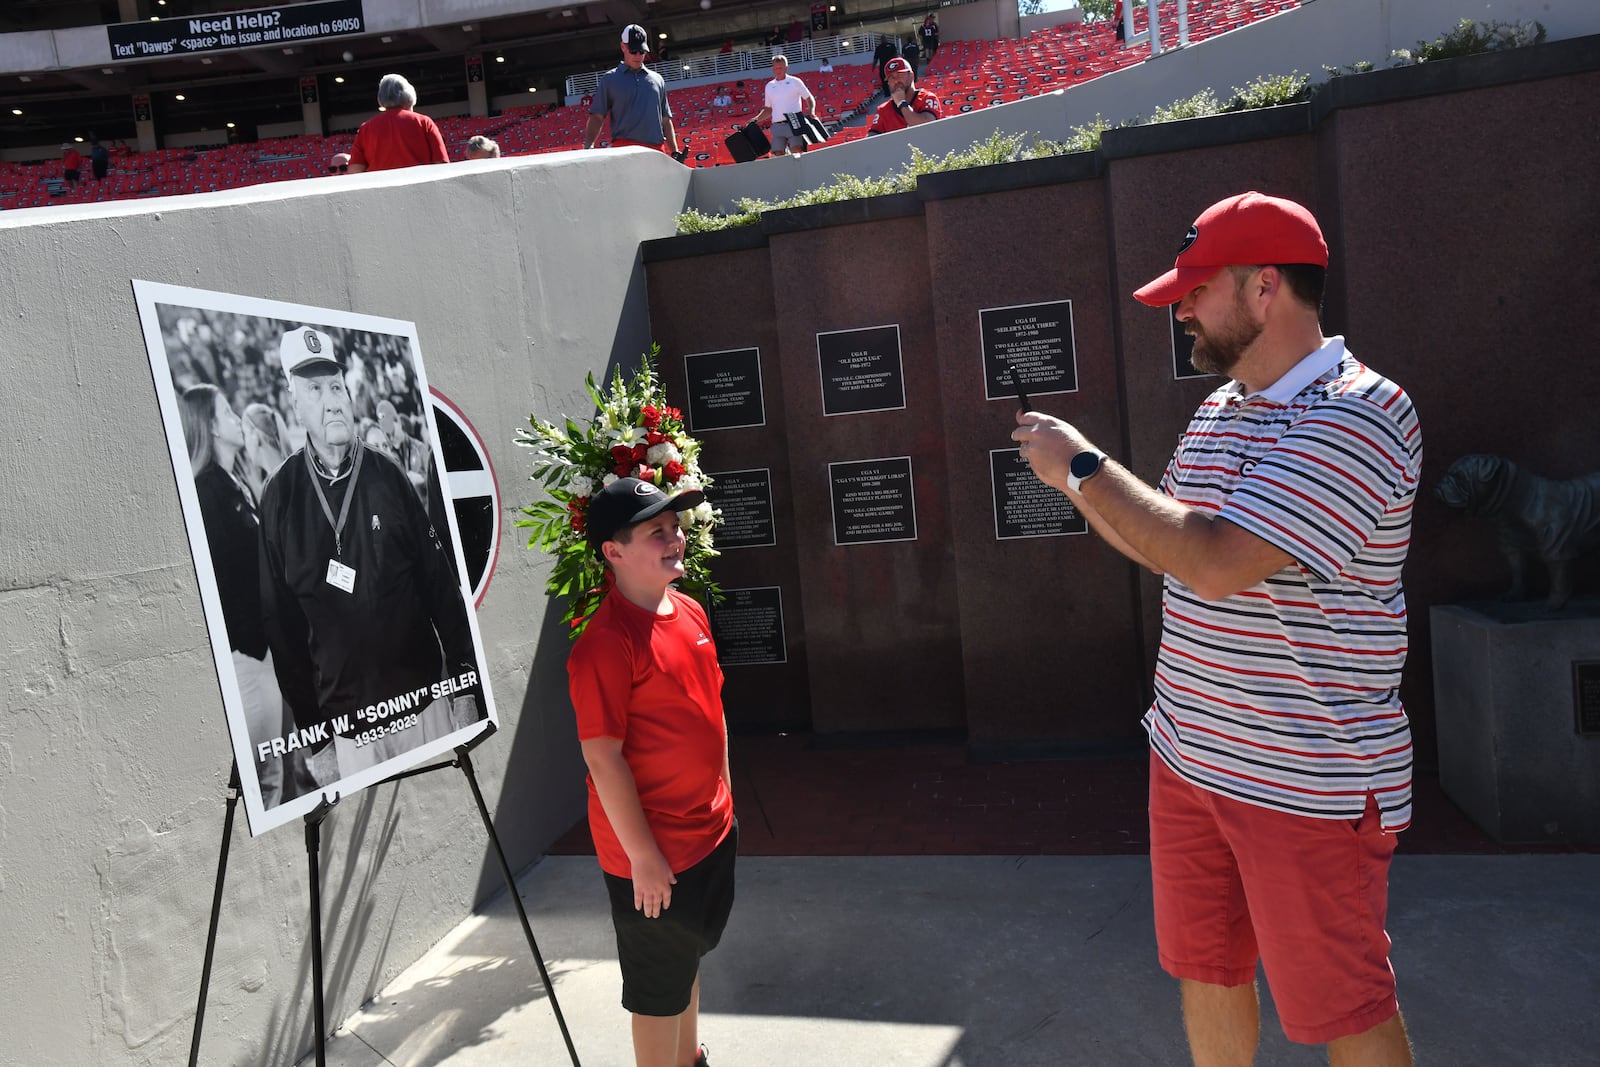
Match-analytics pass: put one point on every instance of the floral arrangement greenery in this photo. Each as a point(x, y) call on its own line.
point(633, 433)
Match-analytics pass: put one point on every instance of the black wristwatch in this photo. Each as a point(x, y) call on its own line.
point(902, 105)
point(1084, 465)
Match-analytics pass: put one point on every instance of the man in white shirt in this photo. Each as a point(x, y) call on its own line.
point(722, 99)
point(785, 96)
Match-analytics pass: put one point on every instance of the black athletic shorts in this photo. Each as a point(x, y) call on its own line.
point(661, 957)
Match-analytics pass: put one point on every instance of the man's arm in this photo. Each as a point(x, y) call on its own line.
point(762, 116)
point(671, 132)
point(1210, 555)
point(592, 131)
point(1104, 529)
point(619, 796)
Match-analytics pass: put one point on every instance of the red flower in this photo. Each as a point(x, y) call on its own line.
point(675, 470)
point(654, 437)
point(624, 467)
point(621, 454)
point(646, 474)
point(639, 453)
point(651, 415)
point(673, 413)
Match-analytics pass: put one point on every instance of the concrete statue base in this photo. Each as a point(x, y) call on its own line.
point(1519, 740)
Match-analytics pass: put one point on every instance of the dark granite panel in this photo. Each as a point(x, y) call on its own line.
point(686, 318)
point(1470, 224)
point(884, 649)
point(1154, 199)
point(1125, 142)
point(1049, 628)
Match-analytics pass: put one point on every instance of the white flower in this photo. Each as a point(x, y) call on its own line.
point(702, 512)
point(608, 479)
point(628, 436)
point(687, 483)
point(662, 454)
point(581, 485)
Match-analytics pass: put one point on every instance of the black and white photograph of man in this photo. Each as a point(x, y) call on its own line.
point(351, 649)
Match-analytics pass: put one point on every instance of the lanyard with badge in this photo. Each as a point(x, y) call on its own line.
point(339, 575)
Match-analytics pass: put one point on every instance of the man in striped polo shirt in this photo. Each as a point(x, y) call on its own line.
point(1280, 766)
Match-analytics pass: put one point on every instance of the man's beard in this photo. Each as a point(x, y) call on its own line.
point(1217, 351)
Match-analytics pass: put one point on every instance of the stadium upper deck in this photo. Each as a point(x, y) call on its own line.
point(228, 152)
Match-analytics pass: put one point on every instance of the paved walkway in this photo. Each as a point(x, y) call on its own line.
point(984, 961)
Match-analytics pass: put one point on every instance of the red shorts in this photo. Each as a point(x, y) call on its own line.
point(623, 142)
point(1234, 882)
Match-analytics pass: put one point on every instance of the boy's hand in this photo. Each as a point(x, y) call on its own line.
point(652, 885)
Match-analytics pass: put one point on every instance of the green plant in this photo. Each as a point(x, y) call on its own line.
point(1470, 38)
point(1197, 106)
point(633, 433)
point(997, 148)
point(1086, 138)
point(1270, 90)
point(1361, 66)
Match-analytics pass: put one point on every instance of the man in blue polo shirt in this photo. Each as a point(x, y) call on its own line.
point(635, 97)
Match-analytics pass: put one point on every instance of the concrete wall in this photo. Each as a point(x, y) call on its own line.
point(986, 20)
point(521, 275)
point(1045, 20)
point(1332, 32)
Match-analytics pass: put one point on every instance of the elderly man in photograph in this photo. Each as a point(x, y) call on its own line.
point(365, 616)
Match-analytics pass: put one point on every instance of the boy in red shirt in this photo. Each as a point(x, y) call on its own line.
point(647, 691)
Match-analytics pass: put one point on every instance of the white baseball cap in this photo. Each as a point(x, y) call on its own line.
point(306, 349)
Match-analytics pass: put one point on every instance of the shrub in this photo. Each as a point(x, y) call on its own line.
point(1470, 38)
point(1197, 106)
point(1272, 90)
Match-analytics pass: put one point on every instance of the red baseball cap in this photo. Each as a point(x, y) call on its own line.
point(896, 64)
point(1246, 229)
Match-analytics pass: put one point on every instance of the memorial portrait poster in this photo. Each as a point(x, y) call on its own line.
point(329, 561)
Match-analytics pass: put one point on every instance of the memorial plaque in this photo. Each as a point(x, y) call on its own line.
point(1026, 507)
point(861, 370)
point(748, 626)
point(1586, 695)
point(745, 500)
point(1036, 339)
point(1182, 349)
point(872, 501)
point(724, 389)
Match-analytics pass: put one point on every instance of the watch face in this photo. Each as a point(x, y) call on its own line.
point(1085, 464)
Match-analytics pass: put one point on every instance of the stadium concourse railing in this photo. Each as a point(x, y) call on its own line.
point(746, 60)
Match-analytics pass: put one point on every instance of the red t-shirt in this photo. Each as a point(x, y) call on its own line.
point(653, 682)
point(889, 117)
point(398, 138)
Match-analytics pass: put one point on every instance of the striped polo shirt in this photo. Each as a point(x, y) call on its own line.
point(1287, 694)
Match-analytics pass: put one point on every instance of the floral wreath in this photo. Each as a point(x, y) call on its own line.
point(634, 433)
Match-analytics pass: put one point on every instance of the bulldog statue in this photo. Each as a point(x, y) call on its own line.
point(1556, 520)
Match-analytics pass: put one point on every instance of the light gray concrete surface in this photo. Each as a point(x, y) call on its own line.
point(982, 962)
point(522, 275)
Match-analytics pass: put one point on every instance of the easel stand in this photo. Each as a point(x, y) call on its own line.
point(313, 820)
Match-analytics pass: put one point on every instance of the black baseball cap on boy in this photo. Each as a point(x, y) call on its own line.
point(628, 502)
